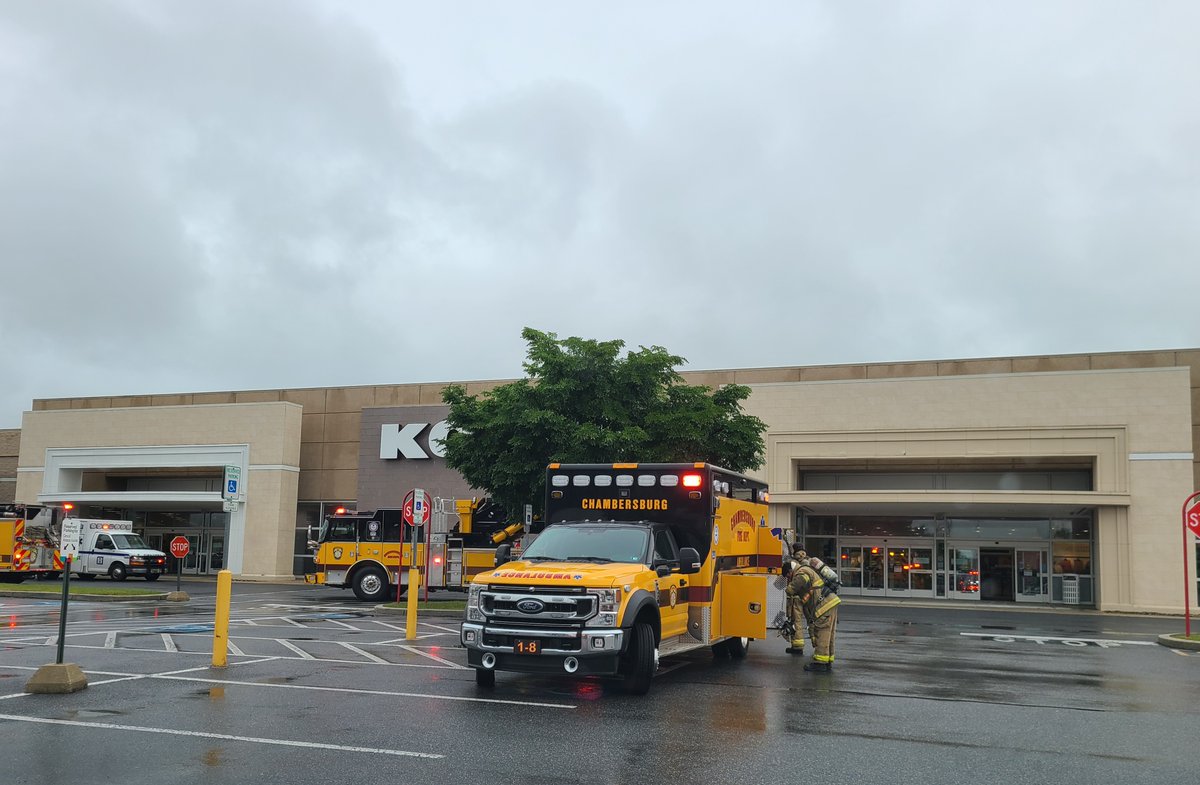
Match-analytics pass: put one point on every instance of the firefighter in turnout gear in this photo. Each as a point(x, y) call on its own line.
point(796, 620)
point(818, 604)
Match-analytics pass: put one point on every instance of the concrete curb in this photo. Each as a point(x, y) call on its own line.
point(1172, 641)
point(57, 595)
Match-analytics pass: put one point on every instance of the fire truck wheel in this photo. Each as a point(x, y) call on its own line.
point(485, 678)
point(640, 661)
point(117, 572)
point(153, 576)
point(737, 647)
point(370, 585)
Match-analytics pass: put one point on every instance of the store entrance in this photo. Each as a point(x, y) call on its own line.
point(996, 574)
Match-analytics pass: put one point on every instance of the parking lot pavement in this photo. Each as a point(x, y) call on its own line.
point(324, 692)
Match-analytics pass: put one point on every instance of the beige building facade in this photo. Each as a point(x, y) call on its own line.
point(1045, 480)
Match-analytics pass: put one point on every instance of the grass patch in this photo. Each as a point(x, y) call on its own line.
point(80, 588)
point(1195, 636)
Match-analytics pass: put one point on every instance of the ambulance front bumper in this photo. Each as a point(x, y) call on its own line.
point(596, 650)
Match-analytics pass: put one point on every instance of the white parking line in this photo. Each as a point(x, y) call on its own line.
point(169, 643)
point(380, 693)
point(110, 640)
point(433, 657)
point(223, 736)
point(289, 645)
point(368, 655)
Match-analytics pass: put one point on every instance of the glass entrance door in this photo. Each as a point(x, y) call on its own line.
point(1032, 575)
point(883, 571)
point(963, 575)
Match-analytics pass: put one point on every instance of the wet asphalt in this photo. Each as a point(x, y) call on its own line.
point(323, 690)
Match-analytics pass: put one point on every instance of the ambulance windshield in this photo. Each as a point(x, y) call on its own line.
point(581, 542)
point(128, 541)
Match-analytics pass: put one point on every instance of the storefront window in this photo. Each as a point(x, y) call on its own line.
point(886, 527)
point(1072, 558)
point(816, 525)
point(998, 529)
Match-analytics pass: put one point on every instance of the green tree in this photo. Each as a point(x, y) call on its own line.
point(583, 402)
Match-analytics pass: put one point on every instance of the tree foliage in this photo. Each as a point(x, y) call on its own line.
point(583, 402)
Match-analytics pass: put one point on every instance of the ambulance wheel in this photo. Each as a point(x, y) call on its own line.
point(117, 572)
point(153, 576)
point(737, 647)
point(371, 585)
point(640, 661)
point(485, 678)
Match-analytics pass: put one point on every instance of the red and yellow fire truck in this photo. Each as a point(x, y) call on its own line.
point(28, 543)
point(370, 552)
point(636, 561)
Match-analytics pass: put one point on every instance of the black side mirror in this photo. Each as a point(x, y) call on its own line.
point(689, 561)
point(503, 554)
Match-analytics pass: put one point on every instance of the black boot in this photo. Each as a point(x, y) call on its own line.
point(818, 667)
point(794, 650)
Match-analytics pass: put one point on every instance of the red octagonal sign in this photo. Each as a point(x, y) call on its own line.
point(1192, 519)
point(180, 547)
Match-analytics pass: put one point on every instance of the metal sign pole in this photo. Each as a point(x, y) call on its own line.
point(62, 614)
point(1187, 589)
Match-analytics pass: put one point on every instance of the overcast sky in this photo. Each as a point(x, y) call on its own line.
point(241, 195)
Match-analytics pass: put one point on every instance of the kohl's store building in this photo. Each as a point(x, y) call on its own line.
point(1043, 480)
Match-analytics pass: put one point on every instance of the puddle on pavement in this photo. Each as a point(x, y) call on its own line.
point(77, 714)
point(279, 679)
point(212, 756)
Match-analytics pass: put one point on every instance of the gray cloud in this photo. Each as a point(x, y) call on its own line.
point(266, 194)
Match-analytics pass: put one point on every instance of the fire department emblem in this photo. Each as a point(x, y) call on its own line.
point(337, 553)
point(674, 596)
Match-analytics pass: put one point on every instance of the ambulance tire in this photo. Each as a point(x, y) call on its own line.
point(153, 576)
point(639, 663)
point(371, 585)
point(118, 572)
point(736, 647)
point(485, 677)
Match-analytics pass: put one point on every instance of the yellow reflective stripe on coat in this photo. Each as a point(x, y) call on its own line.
point(830, 602)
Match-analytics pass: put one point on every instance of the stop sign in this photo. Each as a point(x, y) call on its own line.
point(180, 547)
point(422, 516)
point(1192, 519)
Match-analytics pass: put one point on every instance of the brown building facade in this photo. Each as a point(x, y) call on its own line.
point(1053, 479)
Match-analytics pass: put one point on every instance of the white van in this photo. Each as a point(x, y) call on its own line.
point(111, 548)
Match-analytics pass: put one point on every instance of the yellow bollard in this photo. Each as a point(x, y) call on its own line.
point(410, 616)
point(221, 623)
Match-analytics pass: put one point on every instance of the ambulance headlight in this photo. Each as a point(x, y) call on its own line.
point(608, 602)
point(474, 612)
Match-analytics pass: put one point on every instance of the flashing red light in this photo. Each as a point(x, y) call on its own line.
point(340, 511)
point(437, 559)
point(68, 507)
point(874, 550)
point(691, 481)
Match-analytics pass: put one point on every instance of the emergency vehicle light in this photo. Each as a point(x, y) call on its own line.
point(437, 559)
point(68, 507)
point(691, 480)
point(340, 511)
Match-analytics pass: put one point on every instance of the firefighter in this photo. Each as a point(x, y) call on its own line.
point(821, 568)
point(796, 621)
point(818, 604)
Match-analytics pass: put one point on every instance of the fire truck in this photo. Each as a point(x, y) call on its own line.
point(29, 543)
point(370, 552)
point(636, 562)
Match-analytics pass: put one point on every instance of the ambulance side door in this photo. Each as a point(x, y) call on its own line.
point(672, 587)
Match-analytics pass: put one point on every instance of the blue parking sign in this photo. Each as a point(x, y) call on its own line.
point(232, 489)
